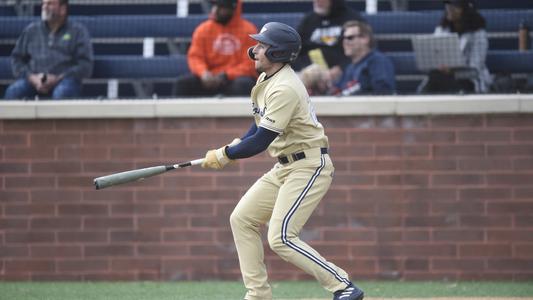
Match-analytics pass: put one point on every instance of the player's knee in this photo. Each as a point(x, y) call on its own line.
point(235, 220)
point(275, 242)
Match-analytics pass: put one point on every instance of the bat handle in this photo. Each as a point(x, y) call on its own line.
point(188, 164)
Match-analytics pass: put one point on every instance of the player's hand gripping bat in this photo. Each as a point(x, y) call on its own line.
point(139, 174)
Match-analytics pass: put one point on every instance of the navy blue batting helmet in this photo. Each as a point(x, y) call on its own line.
point(285, 42)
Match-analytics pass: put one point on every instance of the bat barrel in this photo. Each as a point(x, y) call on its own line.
point(128, 176)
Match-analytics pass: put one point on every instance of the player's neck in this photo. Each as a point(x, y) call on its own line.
point(273, 69)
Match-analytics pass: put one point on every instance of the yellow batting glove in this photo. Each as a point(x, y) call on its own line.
point(217, 159)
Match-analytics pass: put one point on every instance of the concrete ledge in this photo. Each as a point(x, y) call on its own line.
point(241, 107)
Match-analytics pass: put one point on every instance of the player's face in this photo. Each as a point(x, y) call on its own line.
point(262, 64)
point(354, 42)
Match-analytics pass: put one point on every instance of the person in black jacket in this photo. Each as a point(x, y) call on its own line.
point(322, 29)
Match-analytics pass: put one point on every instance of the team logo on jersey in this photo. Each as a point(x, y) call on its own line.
point(226, 44)
point(257, 111)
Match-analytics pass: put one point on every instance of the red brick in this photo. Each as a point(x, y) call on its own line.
point(13, 168)
point(78, 152)
point(432, 194)
point(30, 266)
point(135, 209)
point(29, 237)
point(82, 209)
point(477, 151)
point(513, 207)
point(417, 264)
point(485, 194)
point(107, 167)
point(56, 251)
point(427, 165)
point(523, 193)
point(108, 222)
point(108, 196)
point(180, 124)
point(188, 235)
point(216, 194)
point(154, 223)
point(160, 195)
point(55, 195)
point(350, 235)
point(66, 181)
point(108, 139)
point(56, 139)
point(510, 235)
point(108, 250)
point(13, 252)
point(82, 237)
point(402, 151)
point(457, 121)
point(509, 179)
point(56, 167)
point(14, 196)
point(156, 138)
point(458, 235)
point(79, 125)
point(30, 153)
point(353, 180)
point(509, 120)
point(430, 221)
point(83, 265)
point(352, 151)
point(523, 251)
point(123, 236)
point(416, 235)
point(376, 136)
point(460, 207)
point(8, 140)
point(27, 125)
point(523, 135)
point(190, 209)
point(13, 224)
point(478, 135)
point(29, 182)
point(485, 221)
point(523, 221)
point(492, 164)
point(525, 164)
point(484, 250)
point(457, 179)
point(55, 223)
point(510, 264)
point(137, 152)
point(509, 150)
point(167, 249)
point(461, 264)
point(133, 264)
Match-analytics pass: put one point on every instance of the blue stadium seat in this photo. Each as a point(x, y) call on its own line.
point(138, 67)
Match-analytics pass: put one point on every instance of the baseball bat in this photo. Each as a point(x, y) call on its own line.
point(139, 174)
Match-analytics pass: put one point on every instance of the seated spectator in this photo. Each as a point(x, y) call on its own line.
point(321, 30)
point(370, 71)
point(52, 56)
point(461, 17)
point(218, 56)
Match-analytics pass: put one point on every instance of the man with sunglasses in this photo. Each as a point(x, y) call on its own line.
point(370, 71)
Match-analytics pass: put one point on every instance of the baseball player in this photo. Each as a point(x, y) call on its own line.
point(285, 125)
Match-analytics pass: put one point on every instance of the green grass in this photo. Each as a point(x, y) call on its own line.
point(225, 290)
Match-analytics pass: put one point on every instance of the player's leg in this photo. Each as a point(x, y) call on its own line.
point(253, 210)
point(306, 182)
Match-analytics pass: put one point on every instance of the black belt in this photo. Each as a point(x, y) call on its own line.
point(297, 156)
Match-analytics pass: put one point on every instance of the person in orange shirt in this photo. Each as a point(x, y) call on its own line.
point(217, 58)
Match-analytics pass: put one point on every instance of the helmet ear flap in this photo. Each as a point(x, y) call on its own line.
point(251, 54)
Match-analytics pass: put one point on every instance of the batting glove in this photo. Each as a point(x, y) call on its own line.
point(218, 159)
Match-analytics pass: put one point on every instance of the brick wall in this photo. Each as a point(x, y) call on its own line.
point(413, 198)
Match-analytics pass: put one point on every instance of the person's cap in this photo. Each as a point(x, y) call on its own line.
point(225, 3)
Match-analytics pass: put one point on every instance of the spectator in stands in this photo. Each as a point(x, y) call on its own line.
point(217, 57)
point(370, 71)
point(462, 18)
point(321, 30)
point(52, 56)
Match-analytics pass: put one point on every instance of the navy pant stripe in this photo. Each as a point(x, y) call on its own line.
point(291, 213)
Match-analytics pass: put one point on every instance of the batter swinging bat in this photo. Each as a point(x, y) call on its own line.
point(139, 174)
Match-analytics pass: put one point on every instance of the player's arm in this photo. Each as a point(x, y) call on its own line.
point(252, 145)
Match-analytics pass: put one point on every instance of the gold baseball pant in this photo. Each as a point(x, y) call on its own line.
point(285, 197)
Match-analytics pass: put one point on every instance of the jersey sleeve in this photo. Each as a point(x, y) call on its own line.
point(280, 105)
